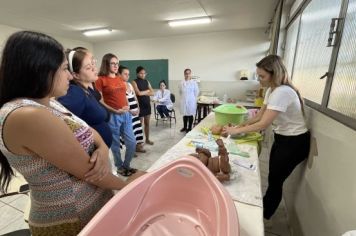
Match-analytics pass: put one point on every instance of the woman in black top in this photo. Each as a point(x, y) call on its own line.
point(143, 92)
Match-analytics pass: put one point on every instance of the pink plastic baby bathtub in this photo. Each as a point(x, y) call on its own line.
point(182, 198)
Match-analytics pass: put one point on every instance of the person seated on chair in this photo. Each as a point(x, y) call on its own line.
point(163, 99)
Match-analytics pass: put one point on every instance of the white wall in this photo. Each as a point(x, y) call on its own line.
point(6, 31)
point(321, 194)
point(216, 58)
point(70, 43)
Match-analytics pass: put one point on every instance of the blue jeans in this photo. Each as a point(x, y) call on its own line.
point(121, 124)
point(163, 111)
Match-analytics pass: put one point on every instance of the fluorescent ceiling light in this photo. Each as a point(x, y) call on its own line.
point(97, 32)
point(190, 21)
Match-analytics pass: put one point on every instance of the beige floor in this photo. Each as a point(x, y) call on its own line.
point(164, 137)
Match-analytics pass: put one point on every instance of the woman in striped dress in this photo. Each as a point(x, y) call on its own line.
point(134, 110)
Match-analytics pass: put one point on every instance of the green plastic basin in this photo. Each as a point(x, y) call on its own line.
point(229, 113)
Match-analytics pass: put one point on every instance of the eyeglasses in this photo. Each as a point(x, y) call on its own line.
point(114, 64)
point(92, 64)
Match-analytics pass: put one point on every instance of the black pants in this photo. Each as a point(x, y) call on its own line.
point(163, 111)
point(188, 122)
point(286, 153)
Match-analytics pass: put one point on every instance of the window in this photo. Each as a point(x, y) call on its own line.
point(343, 90)
point(334, 95)
point(295, 6)
point(291, 44)
point(313, 56)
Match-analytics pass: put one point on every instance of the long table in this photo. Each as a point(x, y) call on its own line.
point(245, 186)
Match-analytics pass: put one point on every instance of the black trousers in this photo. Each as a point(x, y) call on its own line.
point(188, 122)
point(286, 153)
point(163, 111)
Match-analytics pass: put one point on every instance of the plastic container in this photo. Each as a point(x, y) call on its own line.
point(230, 113)
point(181, 198)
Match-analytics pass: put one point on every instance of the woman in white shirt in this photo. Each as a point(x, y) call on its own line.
point(283, 108)
point(163, 98)
point(189, 92)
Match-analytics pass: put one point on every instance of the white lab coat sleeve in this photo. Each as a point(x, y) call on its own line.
point(196, 89)
point(166, 97)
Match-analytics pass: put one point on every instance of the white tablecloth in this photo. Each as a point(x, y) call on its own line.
point(244, 188)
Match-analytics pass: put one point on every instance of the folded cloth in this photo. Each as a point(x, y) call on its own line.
point(196, 135)
point(212, 146)
point(233, 149)
point(253, 136)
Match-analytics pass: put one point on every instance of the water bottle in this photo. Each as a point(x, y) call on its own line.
point(225, 98)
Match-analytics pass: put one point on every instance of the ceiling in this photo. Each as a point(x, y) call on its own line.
point(133, 19)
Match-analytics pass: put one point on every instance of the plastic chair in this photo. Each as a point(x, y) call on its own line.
point(172, 112)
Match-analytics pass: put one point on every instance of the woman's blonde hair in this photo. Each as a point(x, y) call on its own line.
point(273, 64)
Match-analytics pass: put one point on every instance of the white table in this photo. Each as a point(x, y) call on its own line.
point(247, 182)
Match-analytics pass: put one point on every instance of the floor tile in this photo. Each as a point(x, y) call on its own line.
point(9, 199)
point(18, 224)
point(141, 164)
point(21, 202)
point(8, 215)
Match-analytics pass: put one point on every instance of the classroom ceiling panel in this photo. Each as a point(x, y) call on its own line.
point(133, 19)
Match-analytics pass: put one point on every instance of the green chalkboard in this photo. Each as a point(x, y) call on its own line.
point(156, 70)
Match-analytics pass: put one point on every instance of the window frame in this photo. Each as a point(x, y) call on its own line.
point(323, 107)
